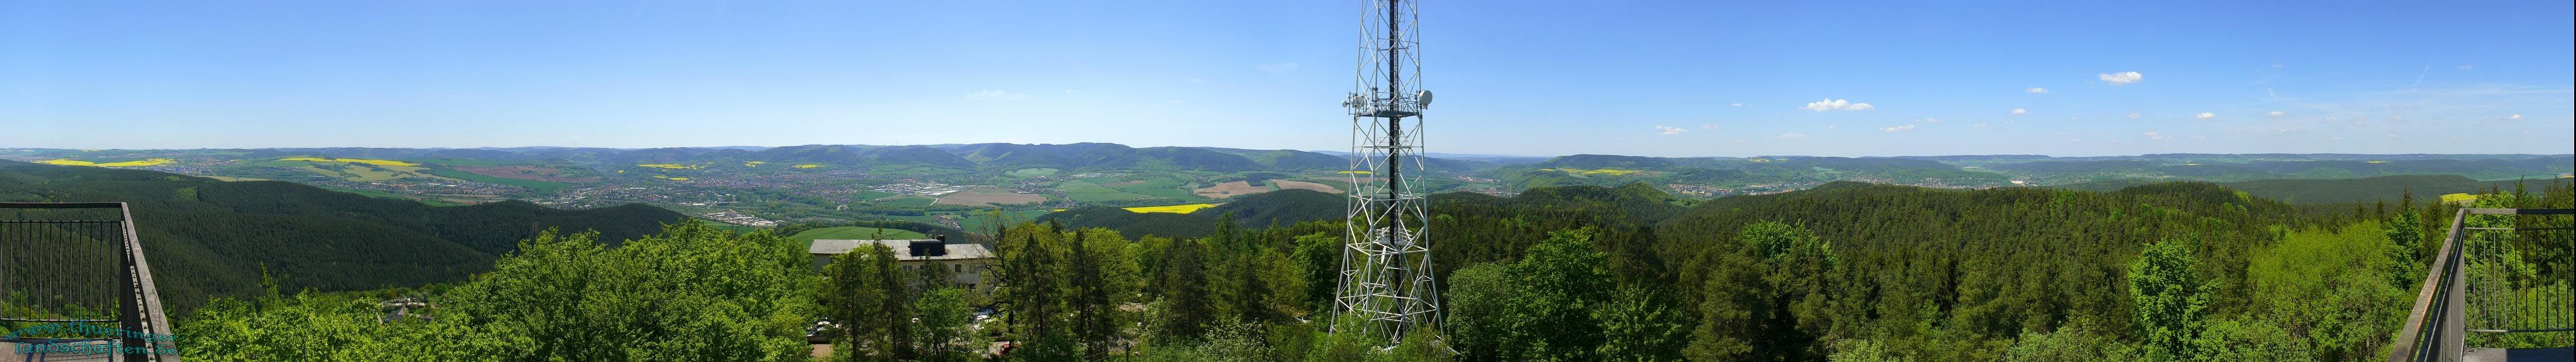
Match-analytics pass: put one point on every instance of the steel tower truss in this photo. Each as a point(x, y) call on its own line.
point(1386, 274)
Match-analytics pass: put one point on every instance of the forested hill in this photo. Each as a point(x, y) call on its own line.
point(1857, 268)
point(208, 238)
point(2311, 191)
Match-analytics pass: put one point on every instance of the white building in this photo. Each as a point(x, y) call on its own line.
point(966, 262)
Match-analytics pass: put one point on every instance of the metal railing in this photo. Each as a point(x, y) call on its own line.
point(2437, 328)
point(55, 262)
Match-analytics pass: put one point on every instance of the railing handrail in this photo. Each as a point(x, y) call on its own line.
point(140, 307)
point(2443, 281)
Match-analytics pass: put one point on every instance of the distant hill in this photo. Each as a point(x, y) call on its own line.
point(857, 233)
point(1281, 207)
point(1292, 160)
point(212, 238)
point(1605, 161)
point(2310, 191)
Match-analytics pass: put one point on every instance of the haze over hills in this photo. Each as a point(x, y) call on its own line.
point(938, 184)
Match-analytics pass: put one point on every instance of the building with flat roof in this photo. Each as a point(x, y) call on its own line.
point(966, 262)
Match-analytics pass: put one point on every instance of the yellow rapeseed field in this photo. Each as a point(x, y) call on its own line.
point(354, 160)
point(809, 165)
point(671, 166)
point(146, 162)
point(1176, 209)
point(2459, 198)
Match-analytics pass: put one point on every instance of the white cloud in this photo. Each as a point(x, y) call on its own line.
point(2158, 137)
point(1280, 67)
point(2133, 115)
point(1830, 104)
point(997, 95)
point(1736, 104)
point(2036, 90)
point(2277, 113)
point(1897, 129)
point(1981, 125)
point(1792, 135)
point(1833, 126)
point(2204, 115)
point(1661, 130)
point(2467, 67)
point(2018, 111)
point(1928, 120)
point(1707, 126)
point(2514, 117)
point(2122, 78)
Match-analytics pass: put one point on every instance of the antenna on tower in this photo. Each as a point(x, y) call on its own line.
point(1386, 274)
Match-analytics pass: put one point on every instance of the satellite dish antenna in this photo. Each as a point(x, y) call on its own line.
point(1353, 101)
point(1422, 98)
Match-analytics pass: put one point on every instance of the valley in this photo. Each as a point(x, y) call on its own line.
point(950, 185)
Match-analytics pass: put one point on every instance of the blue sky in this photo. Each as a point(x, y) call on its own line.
point(1514, 77)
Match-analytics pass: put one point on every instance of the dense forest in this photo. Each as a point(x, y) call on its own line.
point(208, 238)
point(1847, 272)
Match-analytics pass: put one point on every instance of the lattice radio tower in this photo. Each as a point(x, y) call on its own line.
point(1386, 273)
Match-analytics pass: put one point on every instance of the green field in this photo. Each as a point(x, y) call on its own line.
point(981, 221)
point(1164, 187)
point(319, 170)
point(1030, 172)
point(857, 233)
point(532, 185)
point(1090, 192)
point(363, 174)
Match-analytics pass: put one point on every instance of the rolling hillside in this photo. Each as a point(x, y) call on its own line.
point(2308, 191)
point(210, 238)
point(1281, 207)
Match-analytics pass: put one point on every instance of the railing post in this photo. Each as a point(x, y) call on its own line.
point(2454, 337)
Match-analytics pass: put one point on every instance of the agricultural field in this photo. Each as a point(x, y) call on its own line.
point(1232, 189)
point(1164, 187)
point(135, 163)
point(350, 160)
point(989, 196)
point(1176, 209)
point(1079, 191)
point(1293, 184)
point(857, 233)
